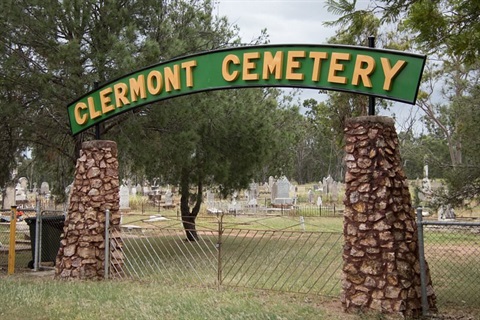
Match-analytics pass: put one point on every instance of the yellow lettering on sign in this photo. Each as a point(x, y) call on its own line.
point(188, 66)
point(91, 109)
point(121, 90)
point(249, 65)
point(154, 82)
point(293, 64)
point(272, 64)
point(317, 63)
point(105, 100)
point(389, 72)
point(229, 59)
point(172, 78)
point(79, 118)
point(137, 88)
point(361, 72)
point(336, 66)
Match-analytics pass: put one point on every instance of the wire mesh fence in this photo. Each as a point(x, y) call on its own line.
point(263, 252)
point(48, 224)
point(293, 261)
point(22, 239)
point(452, 250)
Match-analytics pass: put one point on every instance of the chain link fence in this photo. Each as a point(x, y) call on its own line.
point(34, 234)
point(452, 251)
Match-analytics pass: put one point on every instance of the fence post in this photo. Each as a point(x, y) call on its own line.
point(107, 243)
point(219, 250)
point(11, 248)
point(423, 268)
point(36, 255)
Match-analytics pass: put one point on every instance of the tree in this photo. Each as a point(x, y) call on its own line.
point(450, 26)
point(218, 139)
point(55, 51)
point(449, 32)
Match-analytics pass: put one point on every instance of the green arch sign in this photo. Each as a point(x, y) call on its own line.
point(386, 74)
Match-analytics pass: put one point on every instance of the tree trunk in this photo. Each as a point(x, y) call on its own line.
point(189, 217)
point(190, 227)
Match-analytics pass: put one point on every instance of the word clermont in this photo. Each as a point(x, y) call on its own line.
point(382, 73)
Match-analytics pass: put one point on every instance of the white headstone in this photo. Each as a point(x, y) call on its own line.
point(20, 193)
point(283, 188)
point(252, 194)
point(23, 183)
point(9, 197)
point(44, 188)
point(169, 198)
point(124, 197)
point(319, 201)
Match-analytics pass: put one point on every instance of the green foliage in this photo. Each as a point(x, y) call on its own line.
point(55, 51)
point(448, 25)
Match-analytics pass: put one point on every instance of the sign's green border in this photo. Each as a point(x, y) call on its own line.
point(209, 77)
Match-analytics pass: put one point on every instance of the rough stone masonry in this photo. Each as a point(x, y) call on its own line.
point(95, 189)
point(381, 269)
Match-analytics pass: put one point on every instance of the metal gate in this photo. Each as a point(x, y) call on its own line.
point(292, 259)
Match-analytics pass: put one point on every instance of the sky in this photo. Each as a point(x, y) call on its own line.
point(292, 22)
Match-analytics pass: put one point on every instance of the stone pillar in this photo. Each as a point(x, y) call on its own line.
point(95, 189)
point(381, 270)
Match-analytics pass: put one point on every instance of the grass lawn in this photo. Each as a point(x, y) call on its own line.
point(28, 295)
point(35, 297)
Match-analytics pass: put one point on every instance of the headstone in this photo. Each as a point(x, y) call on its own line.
point(328, 182)
point(334, 190)
point(211, 205)
point(441, 213)
point(266, 188)
point(234, 206)
point(44, 188)
point(252, 195)
point(319, 201)
point(310, 196)
point(146, 189)
point(282, 192)
point(320, 187)
point(210, 198)
point(20, 193)
point(450, 213)
point(271, 183)
point(124, 197)
point(168, 198)
point(23, 183)
point(9, 197)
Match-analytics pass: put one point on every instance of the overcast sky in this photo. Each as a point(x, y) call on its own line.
point(290, 22)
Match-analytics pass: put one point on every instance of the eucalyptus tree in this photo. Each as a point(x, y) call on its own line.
point(448, 31)
point(450, 26)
